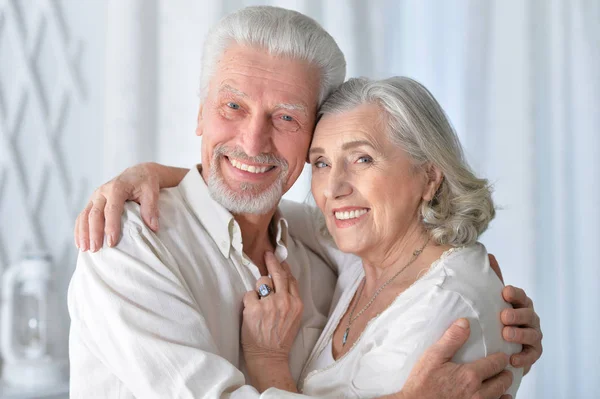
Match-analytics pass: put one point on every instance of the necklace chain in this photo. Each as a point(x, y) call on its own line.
point(351, 319)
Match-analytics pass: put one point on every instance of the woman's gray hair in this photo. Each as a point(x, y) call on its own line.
point(462, 207)
point(281, 32)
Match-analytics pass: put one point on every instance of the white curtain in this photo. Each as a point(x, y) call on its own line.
point(520, 81)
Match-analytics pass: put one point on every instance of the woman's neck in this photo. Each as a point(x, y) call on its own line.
point(383, 262)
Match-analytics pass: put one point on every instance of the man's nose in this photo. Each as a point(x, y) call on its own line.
point(257, 136)
point(338, 185)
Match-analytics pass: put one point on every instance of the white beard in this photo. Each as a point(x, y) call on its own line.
point(252, 199)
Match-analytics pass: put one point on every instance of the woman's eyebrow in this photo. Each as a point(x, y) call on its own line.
point(315, 150)
point(356, 143)
point(346, 146)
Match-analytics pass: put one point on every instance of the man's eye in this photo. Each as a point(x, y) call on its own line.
point(233, 105)
point(287, 118)
point(365, 159)
point(320, 164)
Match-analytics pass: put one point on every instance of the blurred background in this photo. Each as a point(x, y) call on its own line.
point(90, 87)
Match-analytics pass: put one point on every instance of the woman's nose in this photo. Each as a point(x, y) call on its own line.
point(338, 185)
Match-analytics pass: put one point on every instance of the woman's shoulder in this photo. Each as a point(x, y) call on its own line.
point(467, 268)
point(460, 276)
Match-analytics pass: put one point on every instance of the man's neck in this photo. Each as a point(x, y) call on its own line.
point(256, 238)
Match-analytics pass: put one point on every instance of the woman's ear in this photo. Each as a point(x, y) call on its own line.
point(199, 125)
point(434, 180)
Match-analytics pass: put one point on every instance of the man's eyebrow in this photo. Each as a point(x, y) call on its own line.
point(293, 107)
point(233, 90)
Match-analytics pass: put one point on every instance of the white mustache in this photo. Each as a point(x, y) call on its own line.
point(239, 154)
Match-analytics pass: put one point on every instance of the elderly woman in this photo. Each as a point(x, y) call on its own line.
point(390, 179)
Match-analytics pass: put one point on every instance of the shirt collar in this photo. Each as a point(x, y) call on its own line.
point(212, 215)
point(279, 229)
point(219, 222)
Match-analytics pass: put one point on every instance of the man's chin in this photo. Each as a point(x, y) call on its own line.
point(250, 199)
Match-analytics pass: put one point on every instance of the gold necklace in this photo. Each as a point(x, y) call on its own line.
point(351, 320)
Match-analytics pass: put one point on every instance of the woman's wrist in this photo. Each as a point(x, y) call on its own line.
point(270, 371)
point(168, 176)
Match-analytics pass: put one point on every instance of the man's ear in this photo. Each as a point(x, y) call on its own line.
point(200, 125)
point(434, 180)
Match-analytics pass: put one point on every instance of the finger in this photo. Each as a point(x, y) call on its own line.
point(495, 266)
point(76, 232)
point(506, 397)
point(294, 288)
point(96, 222)
point(84, 232)
point(277, 273)
point(149, 205)
point(526, 357)
point(452, 340)
point(516, 297)
point(520, 317)
point(496, 386)
point(113, 212)
point(250, 297)
point(490, 365)
point(264, 280)
point(522, 335)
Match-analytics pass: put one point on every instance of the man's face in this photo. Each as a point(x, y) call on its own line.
point(256, 122)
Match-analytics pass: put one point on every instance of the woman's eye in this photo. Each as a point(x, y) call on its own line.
point(365, 159)
point(320, 164)
point(287, 118)
point(233, 105)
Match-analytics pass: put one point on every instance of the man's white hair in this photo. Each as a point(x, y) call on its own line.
point(281, 32)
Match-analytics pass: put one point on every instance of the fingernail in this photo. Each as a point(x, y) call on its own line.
point(92, 245)
point(109, 240)
point(82, 245)
point(510, 316)
point(154, 223)
point(516, 362)
point(462, 323)
point(511, 333)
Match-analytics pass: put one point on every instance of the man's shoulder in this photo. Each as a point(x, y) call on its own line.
point(171, 207)
point(292, 209)
point(303, 219)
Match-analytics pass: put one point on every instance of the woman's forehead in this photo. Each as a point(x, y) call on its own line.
point(363, 123)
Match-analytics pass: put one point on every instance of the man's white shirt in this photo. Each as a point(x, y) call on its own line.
point(159, 315)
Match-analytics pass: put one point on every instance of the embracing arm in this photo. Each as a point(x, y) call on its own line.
point(270, 323)
point(140, 183)
point(434, 376)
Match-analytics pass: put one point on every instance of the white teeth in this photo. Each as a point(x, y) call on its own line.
point(249, 168)
point(350, 215)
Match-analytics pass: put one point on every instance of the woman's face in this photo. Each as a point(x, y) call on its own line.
point(367, 187)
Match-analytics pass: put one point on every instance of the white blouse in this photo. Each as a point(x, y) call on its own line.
point(459, 284)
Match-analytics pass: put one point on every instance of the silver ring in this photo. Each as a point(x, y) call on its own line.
point(264, 290)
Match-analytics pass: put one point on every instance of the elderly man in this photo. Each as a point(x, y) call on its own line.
point(159, 314)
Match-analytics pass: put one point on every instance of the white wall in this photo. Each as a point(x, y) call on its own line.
point(519, 80)
point(51, 115)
